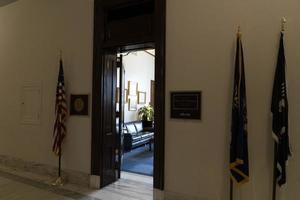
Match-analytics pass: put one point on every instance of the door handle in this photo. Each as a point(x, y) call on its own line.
point(108, 134)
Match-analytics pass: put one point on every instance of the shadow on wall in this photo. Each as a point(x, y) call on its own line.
point(6, 2)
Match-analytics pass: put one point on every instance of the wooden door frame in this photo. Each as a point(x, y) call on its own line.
point(160, 70)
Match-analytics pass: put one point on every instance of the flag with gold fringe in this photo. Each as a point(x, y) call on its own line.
point(239, 164)
point(279, 111)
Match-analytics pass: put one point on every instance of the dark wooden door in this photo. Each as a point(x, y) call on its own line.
point(109, 32)
point(120, 112)
point(110, 154)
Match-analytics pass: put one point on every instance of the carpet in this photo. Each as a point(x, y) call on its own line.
point(139, 160)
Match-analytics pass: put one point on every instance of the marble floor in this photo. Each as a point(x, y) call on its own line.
point(14, 186)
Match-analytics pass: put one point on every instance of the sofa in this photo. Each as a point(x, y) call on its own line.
point(135, 136)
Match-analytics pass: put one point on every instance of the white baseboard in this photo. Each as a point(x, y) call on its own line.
point(169, 195)
point(95, 182)
point(158, 194)
point(71, 176)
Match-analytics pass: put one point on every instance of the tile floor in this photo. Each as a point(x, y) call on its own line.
point(25, 186)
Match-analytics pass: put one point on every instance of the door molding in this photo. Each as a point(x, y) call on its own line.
point(160, 91)
point(97, 105)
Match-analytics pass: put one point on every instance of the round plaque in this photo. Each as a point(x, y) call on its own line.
point(79, 105)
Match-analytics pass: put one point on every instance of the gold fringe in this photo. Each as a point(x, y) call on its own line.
point(58, 182)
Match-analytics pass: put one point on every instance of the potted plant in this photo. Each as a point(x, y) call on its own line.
point(146, 114)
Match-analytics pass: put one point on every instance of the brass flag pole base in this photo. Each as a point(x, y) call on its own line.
point(58, 182)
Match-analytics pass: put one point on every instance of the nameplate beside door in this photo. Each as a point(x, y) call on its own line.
point(186, 105)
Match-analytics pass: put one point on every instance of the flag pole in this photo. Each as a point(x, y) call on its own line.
point(239, 35)
point(274, 192)
point(59, 180)
point(231, 189)
point(59, 155)
point(59, 164)
point(274, 172)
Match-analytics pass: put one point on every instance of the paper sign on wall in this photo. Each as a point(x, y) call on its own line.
point(31, 103)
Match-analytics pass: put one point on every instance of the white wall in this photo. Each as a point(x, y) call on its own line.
point(139, 67)
point(200, 56)
point(31, 34)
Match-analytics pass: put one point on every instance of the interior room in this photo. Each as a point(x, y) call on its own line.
point(138, 104)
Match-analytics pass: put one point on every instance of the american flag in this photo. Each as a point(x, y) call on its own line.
point(59, 132)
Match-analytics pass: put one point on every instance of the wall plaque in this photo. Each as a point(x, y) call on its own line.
point(79, 105)
point(31, 102)
point(186, 105)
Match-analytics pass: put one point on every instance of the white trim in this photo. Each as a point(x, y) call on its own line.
point(158, 194)
point(20, 165)
point(94, 181)
point(169, 195)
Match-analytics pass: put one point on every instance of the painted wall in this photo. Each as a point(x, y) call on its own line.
point(200, 56)
point(32, 33)
point(139, 67)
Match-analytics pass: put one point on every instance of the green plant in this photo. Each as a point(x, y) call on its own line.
point(146, 113)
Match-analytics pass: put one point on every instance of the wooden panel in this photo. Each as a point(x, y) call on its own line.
point(160, 90)
point(108, 95)
point(108, 174)
point(131, 10)
point(129, 24)
point(97, 114)
point(130, 30)
point(120, 3)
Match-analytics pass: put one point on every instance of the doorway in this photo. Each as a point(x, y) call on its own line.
point(123, 26)
point(135, 111)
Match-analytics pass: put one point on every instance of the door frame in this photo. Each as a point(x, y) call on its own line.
point(160, 71)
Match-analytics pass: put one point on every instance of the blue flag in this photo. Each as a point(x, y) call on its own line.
point(239, 164)
point(279, 111)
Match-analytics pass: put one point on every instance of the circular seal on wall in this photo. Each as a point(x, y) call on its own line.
point(79, 105)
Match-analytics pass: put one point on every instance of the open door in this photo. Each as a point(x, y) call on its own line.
point(120, 111)
point(110, 18)
point(109, 172)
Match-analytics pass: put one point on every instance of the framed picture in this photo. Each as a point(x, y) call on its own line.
point(132, 88)
point(132, 103)
point(152, 93)
point(79, 104)
point(142, 97)
point(126, 96)
point(118, 95)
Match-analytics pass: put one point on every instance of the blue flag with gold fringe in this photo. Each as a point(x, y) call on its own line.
point(279, 109)
point(239, 163)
